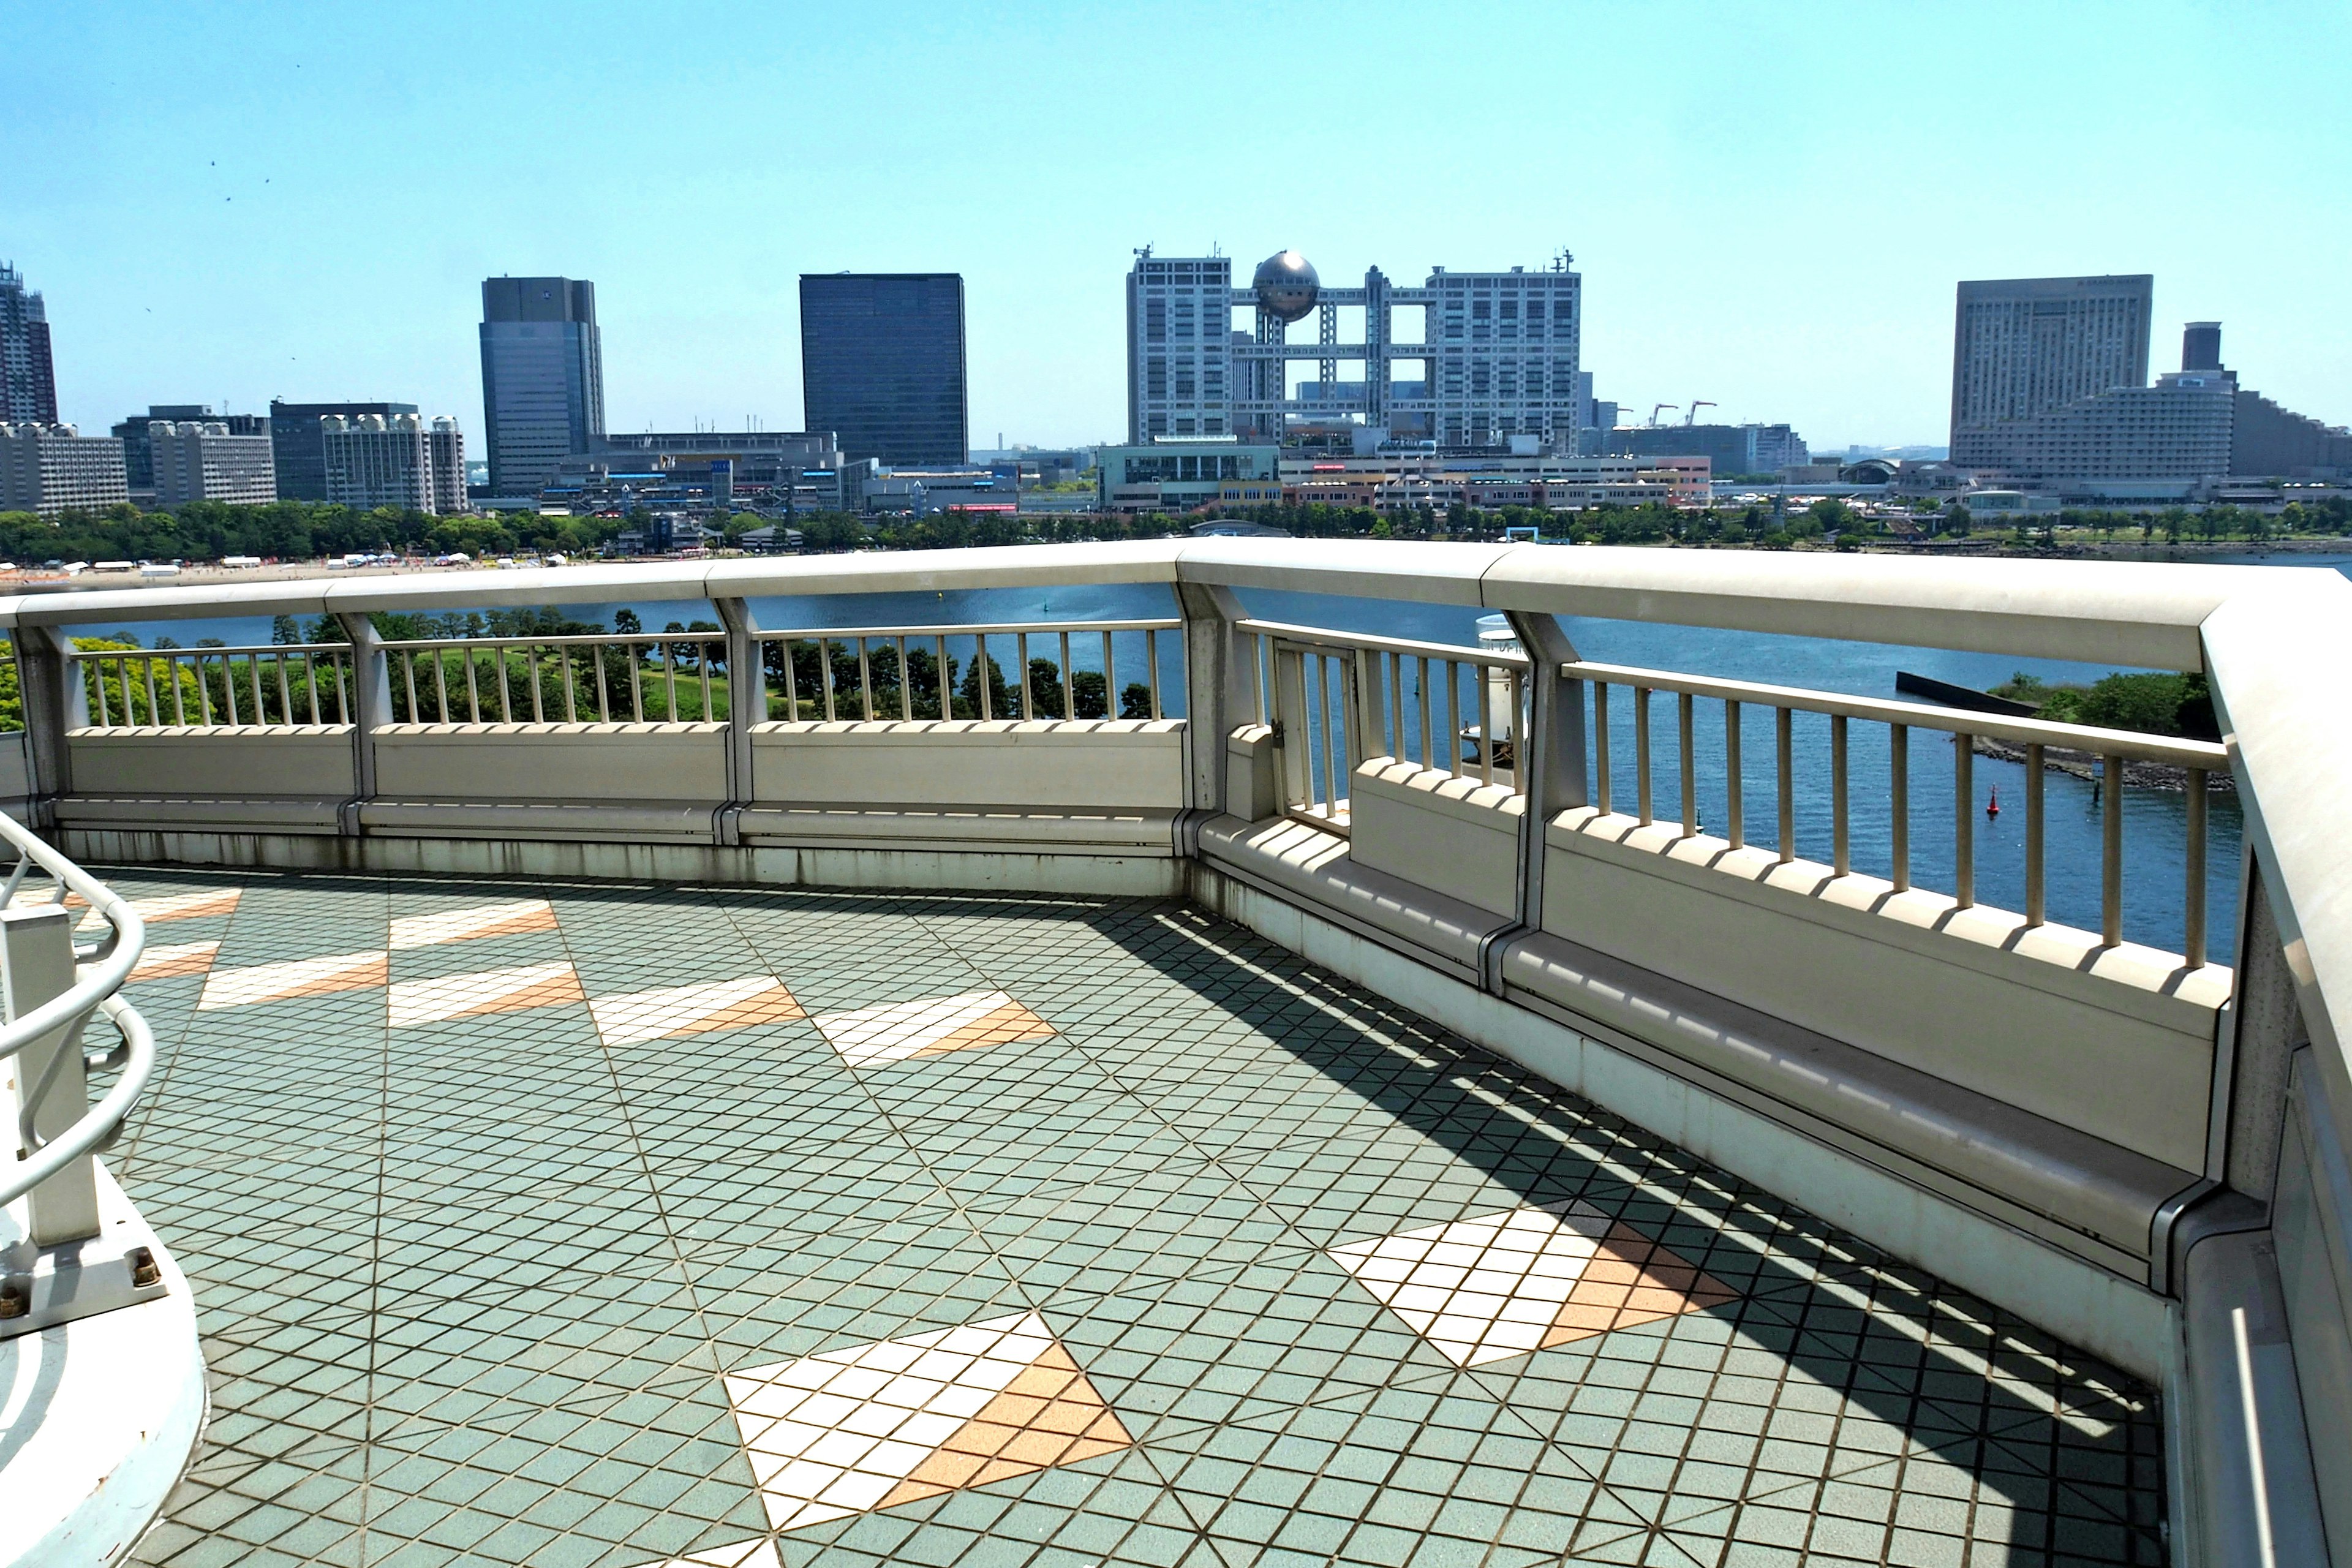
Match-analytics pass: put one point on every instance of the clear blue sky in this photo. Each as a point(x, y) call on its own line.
point(1769, 202)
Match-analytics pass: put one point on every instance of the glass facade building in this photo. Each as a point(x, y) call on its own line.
point(28, 380)
point(542, 378)
point(882, 365)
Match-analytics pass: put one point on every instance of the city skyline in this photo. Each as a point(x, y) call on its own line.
point(1806, 276)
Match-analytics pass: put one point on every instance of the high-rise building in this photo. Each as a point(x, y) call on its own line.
point(296, 446)
point(1497, 363)
point(2200, 346)
point(395, 460)
point(193, 460)
point(882, 365)
point(139, 462)
point(2025, 346)
point(28, 379)
point(542, 377)
point(445, 450)
point(50, 468)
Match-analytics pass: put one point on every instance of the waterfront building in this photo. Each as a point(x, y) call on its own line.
point(542, 377)
point(2025, 346)
point(297, 449)
point(1730, 448)
point(2193, 430)
point(191, 460)
point(50, 468)
point(28, 379)
point(395, 460)
point(769, 470)
point(137, 459)
point(920, 492)
point(882, 365)
point(1178, 473)
point(1497, 358)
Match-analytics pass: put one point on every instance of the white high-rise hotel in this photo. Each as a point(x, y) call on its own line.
point(1497, 356)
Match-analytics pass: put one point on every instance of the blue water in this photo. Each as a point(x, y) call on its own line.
point(2155, 829)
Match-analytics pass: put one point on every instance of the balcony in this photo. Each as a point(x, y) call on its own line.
point(1210, 1087)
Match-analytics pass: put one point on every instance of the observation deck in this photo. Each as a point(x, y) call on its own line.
point(1179, 1089)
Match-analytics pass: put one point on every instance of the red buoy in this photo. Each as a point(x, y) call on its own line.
point(1992, 807)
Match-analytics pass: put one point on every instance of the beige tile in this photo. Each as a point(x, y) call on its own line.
point(508, 919)
point(875, 1036)
point(166, 963)
point(640, 1016)
point(448, 997)
point(1502, 1284)
point(875, 1426)
point(298, 977)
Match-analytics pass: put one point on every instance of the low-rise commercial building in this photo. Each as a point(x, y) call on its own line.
point(1730, 448)
point(1178, 473)
point(52, 468)
point(193, 460)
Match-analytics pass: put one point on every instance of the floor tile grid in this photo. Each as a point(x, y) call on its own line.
point(295, 1480)
point(1835, 1537)
point(1011, 984)
point(1010, 977)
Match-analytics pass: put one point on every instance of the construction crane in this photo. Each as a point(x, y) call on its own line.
point(1692, 418)
point(1655, 411)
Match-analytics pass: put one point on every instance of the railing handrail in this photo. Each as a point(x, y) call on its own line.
point(1324, 637)
point(208, 651)
point(99, 974)
point(418, 644)
point(975, 628)
point(2203, 756)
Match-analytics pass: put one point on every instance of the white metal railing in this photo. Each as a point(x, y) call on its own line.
point(628, 678)
point(2197, 758)
point(1336, 700)
point(99, 971)
point(279, 686)
point(879, 673)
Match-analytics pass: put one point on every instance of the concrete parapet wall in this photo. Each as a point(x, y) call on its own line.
point(1007, 764)
point(2114, 1042)
point(214, 760)
point(493, 763)
point(1452, 836)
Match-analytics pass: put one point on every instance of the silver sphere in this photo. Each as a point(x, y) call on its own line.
point(1287, 286)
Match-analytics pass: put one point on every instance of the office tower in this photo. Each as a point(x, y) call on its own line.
point(191, 460)
point(1496, 364)
point(28, 380)
point(395, 460)
point(882, 365)
point(296, 449)
point(2025, 346)
point(50, 468)
point(2200, 346)
point(132, 432)
point(542, 378)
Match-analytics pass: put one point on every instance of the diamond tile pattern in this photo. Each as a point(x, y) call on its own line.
point(516, 1234)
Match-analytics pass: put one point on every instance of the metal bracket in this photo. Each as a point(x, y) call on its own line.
point(43, 1287)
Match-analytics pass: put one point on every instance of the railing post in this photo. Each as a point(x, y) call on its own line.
point(55, 703)
point(370, 709)
point(37, 966)
point(747, 704)
point(1551, 758)
point(1220, 691)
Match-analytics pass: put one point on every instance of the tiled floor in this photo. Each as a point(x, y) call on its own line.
point(617, 1226)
